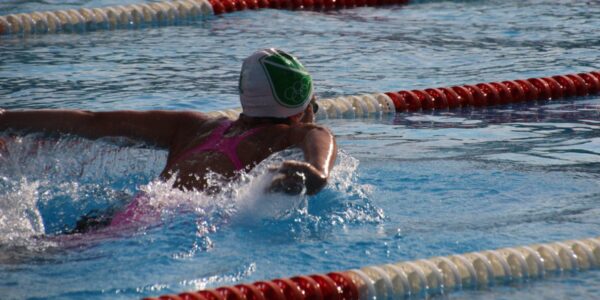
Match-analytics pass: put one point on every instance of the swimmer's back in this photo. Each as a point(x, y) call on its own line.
point(191, 166)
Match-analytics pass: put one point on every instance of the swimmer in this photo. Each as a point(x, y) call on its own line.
point(278, 107)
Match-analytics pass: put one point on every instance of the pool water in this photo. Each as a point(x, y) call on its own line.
point(405, 186)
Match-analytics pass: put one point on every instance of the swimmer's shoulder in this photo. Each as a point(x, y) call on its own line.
point(193, 121)
point(298, 132)
point(194, 117)
point(304, 128)
point(191, 126)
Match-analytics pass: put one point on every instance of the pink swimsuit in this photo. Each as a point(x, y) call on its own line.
point(218, 142)
point(138, 210)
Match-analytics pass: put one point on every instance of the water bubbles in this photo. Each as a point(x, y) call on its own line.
point(205, 243)
point(19, 217)
point(398, 234)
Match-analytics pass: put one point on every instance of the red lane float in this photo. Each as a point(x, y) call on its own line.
point(332, 286)
point(495, 93)
point(228, 6)
point(462, 96)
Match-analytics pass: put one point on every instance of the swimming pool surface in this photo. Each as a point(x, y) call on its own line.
point(405, 187)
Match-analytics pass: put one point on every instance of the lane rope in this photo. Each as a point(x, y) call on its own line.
point(404, 279)
point(165, 13)
point(455, 97)
point(109, 18)
point(421, 278)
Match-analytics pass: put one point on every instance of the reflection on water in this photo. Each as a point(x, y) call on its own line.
point(536, 134)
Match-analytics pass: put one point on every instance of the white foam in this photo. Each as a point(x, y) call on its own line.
point(81, 171)
point(19, 216)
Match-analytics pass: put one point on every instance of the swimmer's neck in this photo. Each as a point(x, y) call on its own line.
point(252, 121)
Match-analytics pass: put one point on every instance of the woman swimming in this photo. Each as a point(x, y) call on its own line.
point(278, 106)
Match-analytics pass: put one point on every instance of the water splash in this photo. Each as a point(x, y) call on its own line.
point(66, 178)
point(19, 218)
point(21, 222)
point(342, 202)
point(46, 183)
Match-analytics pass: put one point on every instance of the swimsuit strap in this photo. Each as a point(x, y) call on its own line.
point(218, 142)
point(229, 146)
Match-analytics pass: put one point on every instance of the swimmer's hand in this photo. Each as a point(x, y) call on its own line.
point(294, 175)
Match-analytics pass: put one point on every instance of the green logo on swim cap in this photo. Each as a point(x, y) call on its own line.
point(290, 82)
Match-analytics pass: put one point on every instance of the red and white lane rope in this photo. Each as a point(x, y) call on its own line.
point(155, 14)
point(443, 98)
point(420, 278)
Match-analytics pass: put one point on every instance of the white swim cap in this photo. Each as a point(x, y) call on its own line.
point(274, 84)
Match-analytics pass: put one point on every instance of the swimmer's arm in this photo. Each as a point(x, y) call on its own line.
point(155, 127)
point(320, 150)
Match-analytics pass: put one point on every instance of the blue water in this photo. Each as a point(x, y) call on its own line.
point(405, 187)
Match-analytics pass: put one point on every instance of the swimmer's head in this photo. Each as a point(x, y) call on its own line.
point(274, 84)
